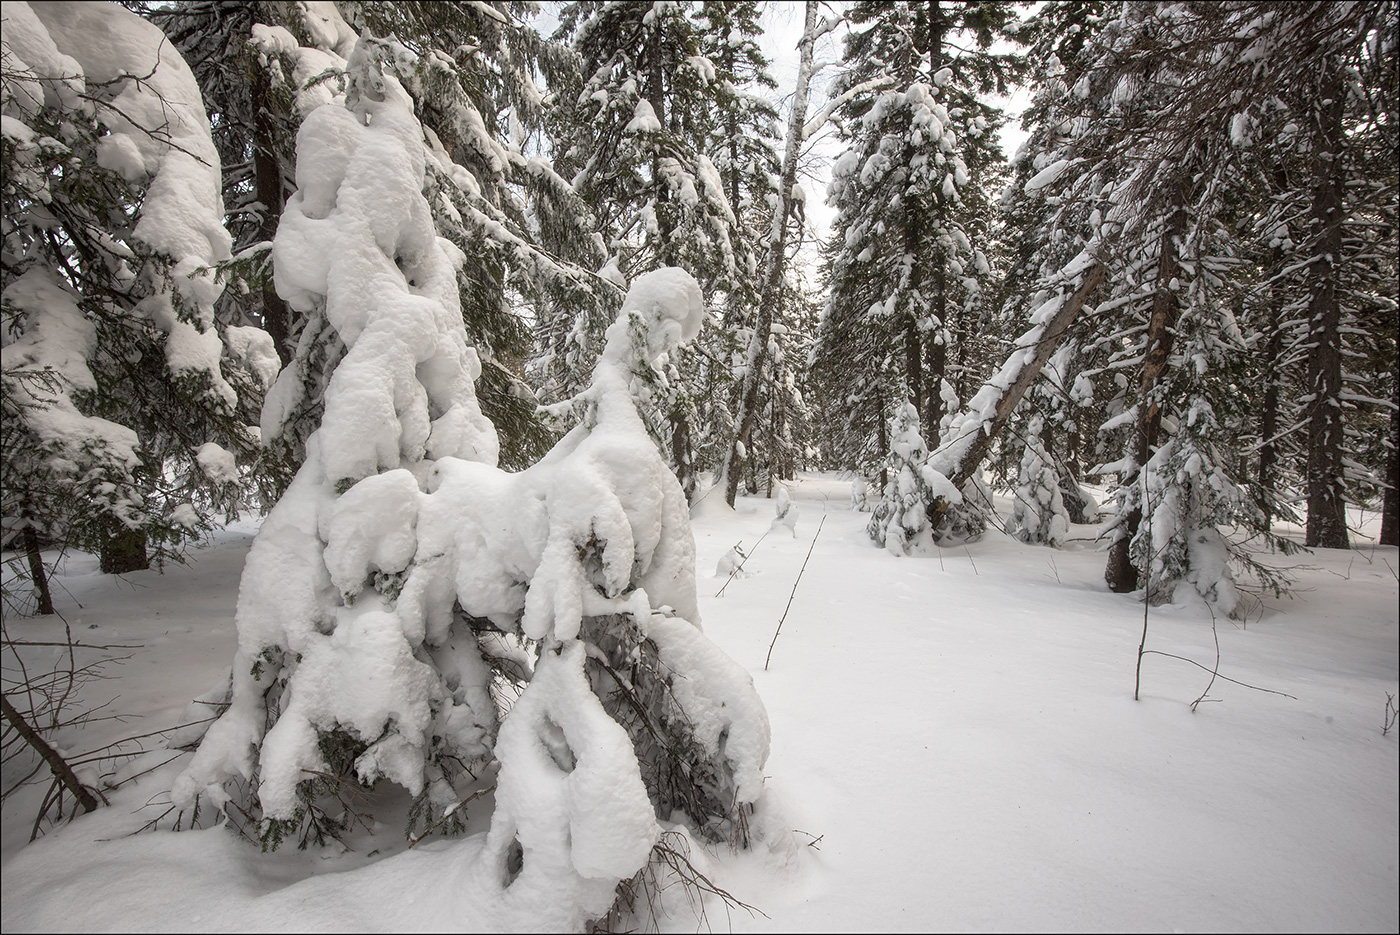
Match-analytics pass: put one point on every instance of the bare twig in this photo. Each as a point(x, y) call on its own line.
point(413, 842)
point(720, 592)
point(1216, 671)
point(1198, 665)
point(63, 773)
point(793, 594)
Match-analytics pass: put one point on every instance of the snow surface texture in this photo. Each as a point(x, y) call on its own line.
point(157, 137)
point(1009, 694)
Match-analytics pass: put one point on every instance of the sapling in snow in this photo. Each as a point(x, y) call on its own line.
point(1039, 515)
point(906, 517)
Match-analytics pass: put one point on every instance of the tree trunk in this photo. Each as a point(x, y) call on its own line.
point(937, 362)
point(123, 550)
point(1121, 574)
point(1390, 506)
point(57, 765)
point(1268, 418)
point(267, 172)
point(1327, 526)
point(914, 360)
point(773, 269)
point(36, 570)
point(970, 460)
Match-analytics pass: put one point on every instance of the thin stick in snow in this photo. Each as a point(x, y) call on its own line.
point(720, 592)
point(793, 594)
point(1213, 672)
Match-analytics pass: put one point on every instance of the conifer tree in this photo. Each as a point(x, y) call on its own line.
point(410, 611)
point(636, 136)
point(130, 410)
point(904, 267)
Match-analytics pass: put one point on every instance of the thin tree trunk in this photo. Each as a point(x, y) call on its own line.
point(1121, 574)
point(773, 269)
point(267, 172)
point(937, 361)
point(1327, 525)
point(914, 360)
point(60, 768)
point(1390, 504)
point(1268, 418)
point(122, 550)
point(36, 570)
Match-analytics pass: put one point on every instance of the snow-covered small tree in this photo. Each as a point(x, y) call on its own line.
point(1039, 514)
point(403, 575)
point(915, 496)
point(331, 678)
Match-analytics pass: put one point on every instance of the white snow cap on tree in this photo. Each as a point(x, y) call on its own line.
point(363, 605)
point(317, 610)
point(157, 137)
point(901, 522)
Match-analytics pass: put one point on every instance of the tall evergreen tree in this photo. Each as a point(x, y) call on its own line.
point(904, 267)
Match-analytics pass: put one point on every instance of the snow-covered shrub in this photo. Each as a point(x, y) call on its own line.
point(1039, 515)
point(906, 517)
point(402, 569)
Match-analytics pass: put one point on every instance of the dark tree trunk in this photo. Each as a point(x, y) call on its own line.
point(1390, 505)
point(1268, 417)
point(267, 171)
point(123, 550)
point(937, 360)
point(36, 570)
point(914, 361)
point(882, 438)
point(1121, 574)
point(1327, 527)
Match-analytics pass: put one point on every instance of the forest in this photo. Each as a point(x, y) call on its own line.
point(432, 369)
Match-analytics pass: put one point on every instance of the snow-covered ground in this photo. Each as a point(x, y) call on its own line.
point(955, 748)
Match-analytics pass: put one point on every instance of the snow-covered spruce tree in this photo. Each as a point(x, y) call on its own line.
point(258, 107)
point(496, 203)
point(113, 222)
point(1039, 513)
point(612, 604)
point(634, 135)
point(1312, 107)
point(1162, 214)
point(903, 264)
point(402, 566)
point(471, 71)
point(332, 679)
point(914, 496)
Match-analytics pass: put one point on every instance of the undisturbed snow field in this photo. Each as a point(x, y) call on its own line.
point(955, 748)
